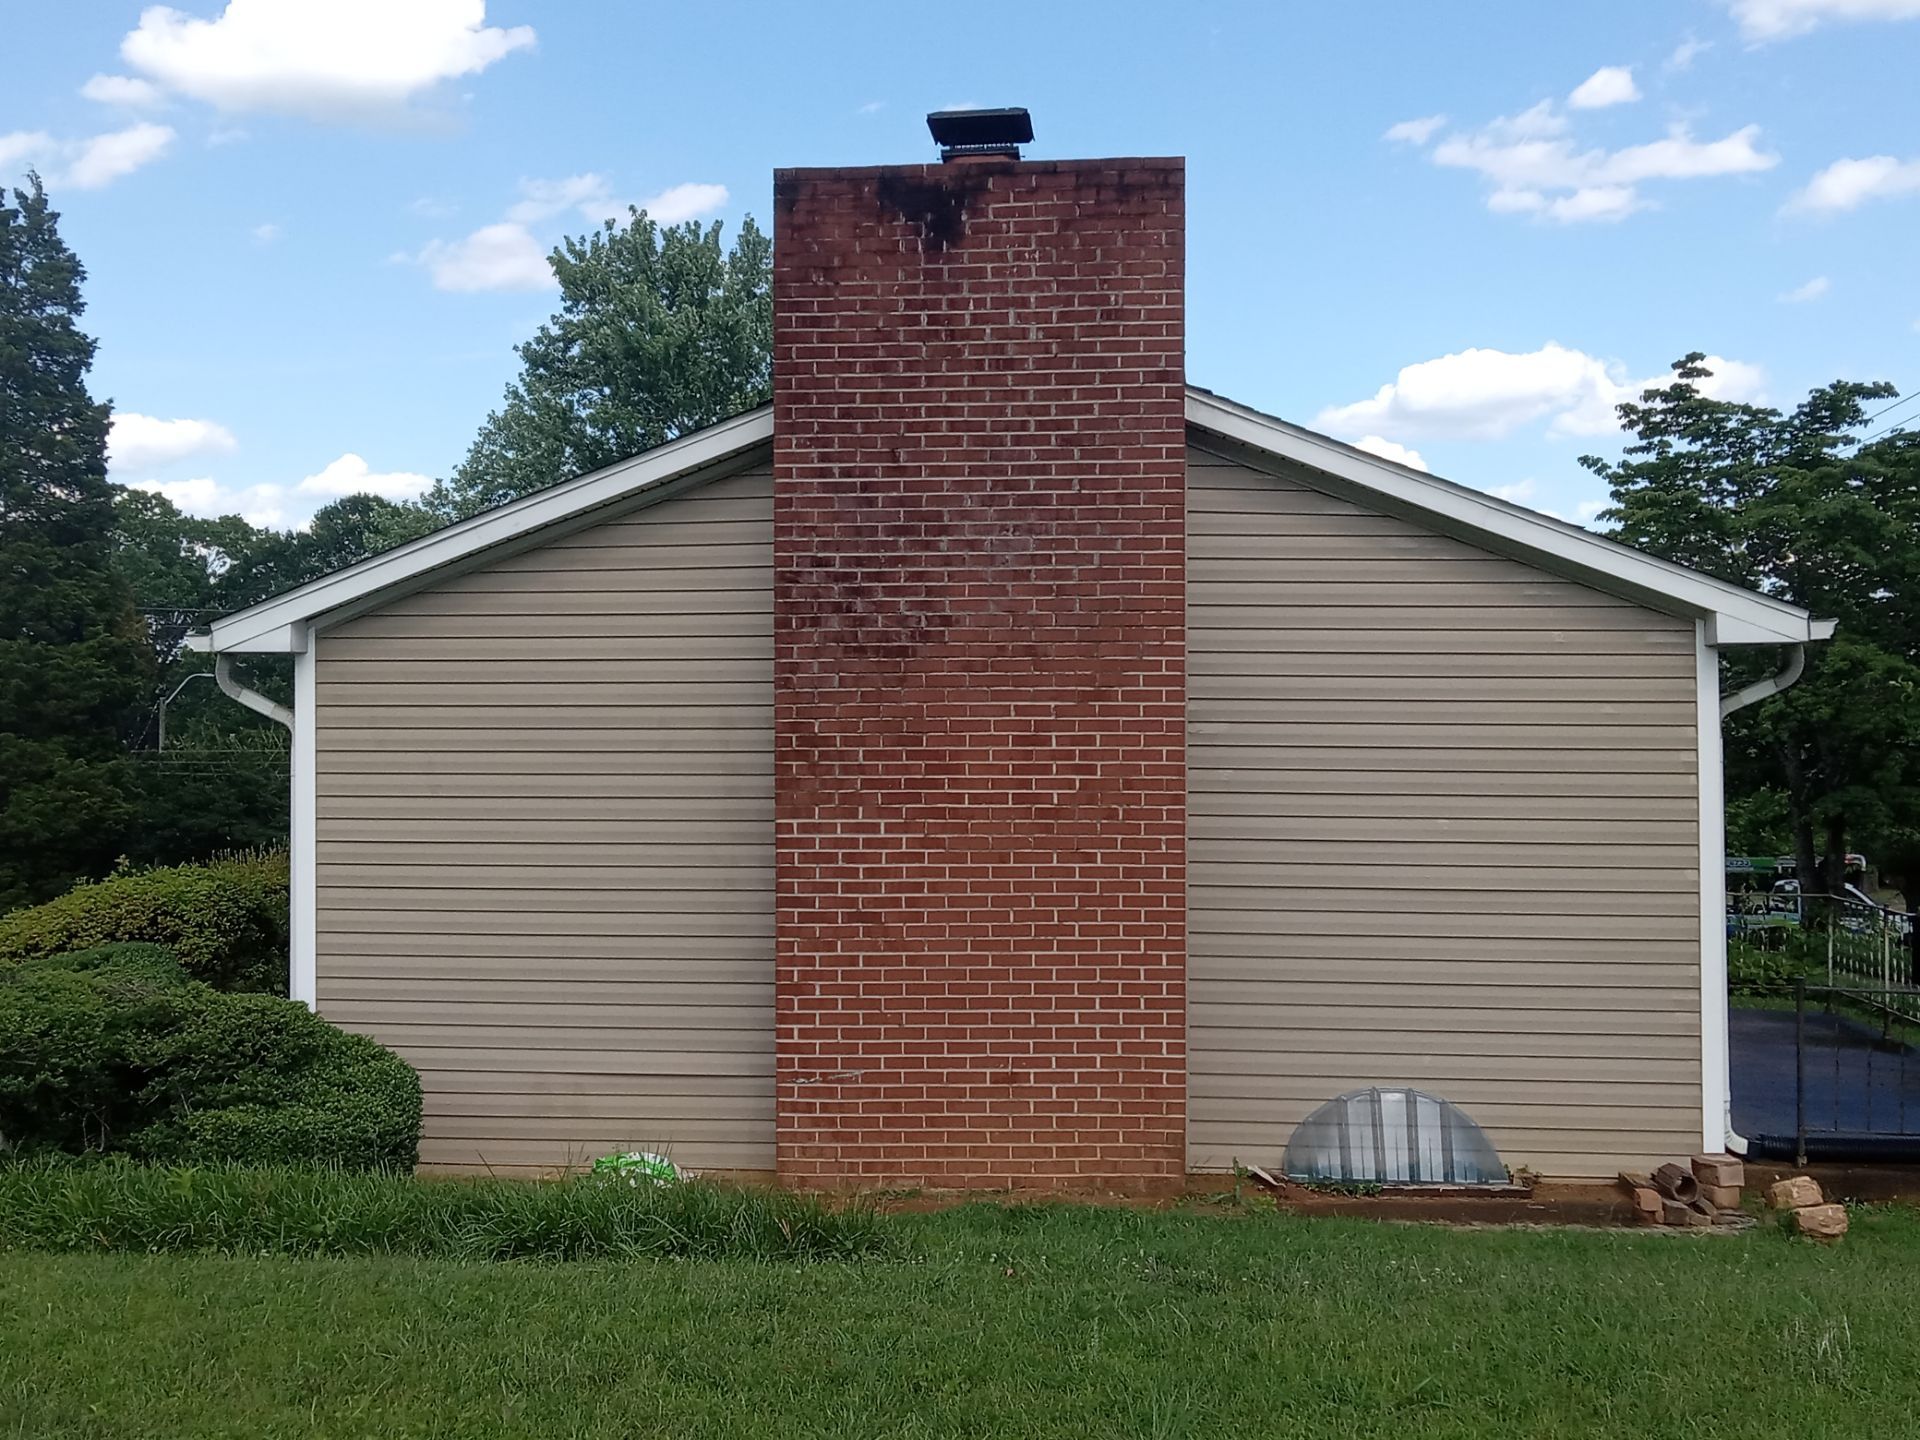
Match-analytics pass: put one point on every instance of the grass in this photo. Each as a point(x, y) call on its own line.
point(1021, 1322)
point(231, 1210)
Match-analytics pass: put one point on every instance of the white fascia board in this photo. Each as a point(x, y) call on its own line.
point(281, 625)
point(1737, 616)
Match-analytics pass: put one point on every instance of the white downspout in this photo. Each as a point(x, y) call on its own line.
point(1753, 694)
point(252, 699)
point(1795, 667)
point(301, 970)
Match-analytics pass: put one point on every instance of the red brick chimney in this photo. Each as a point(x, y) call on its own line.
point(980, 674)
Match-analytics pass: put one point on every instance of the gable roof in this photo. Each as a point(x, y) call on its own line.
point(1734, 615)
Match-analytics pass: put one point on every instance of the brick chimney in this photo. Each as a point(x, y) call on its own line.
point(980, 674)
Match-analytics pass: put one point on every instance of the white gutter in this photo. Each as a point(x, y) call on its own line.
point(1753, 694)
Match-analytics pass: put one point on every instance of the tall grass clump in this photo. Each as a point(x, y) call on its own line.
point(238, 1210)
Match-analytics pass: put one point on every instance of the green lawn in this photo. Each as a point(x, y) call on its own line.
point(1025, 1322)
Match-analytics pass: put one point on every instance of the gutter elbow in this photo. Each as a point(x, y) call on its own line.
point(1790, 674)
point(252, 699)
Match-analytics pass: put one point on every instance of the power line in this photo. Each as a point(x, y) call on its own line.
point(1896, 404)
point(1900, 426)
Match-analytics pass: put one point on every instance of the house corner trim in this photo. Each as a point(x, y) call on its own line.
point(302, 874)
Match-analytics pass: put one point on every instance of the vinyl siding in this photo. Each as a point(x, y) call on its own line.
point(545, 811)
point(1443, 832)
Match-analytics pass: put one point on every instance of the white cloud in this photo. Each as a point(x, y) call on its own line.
point(1485, 394)
point(1388, 450)
point(1537, 168)
point(127, 90)
point(1762, 20)
point(262, 505)
point(266, 234)
point(85, 164)
point(494, 257)
point(1609, 85)
point(1801, 294)
point(543, 199)
point(872, 107)
point(1522, 492)
point(1849, 184)
point(272, 506)
point(593, 198)
point(684, 202)
point(1416, 132)
point(1604, 203)
point(508, 256)
point(105, 158)
point(321, 59)
point(137, 441)
point(1686, 52)
point(350, 475)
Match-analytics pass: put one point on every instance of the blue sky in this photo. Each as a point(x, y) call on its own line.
point(313, 226)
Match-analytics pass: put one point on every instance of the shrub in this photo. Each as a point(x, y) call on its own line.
point(118, 1051)
point(110, 1205)
point(1770, 962)
point(225, 921)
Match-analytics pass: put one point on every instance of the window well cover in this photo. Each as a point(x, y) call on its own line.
point(1393, 1137)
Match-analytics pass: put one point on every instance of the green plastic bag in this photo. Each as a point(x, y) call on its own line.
point(638, 1167)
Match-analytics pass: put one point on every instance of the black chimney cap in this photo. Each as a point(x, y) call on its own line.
point(981, 132)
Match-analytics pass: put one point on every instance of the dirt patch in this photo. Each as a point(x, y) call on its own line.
point(1870, 1184)
point(1603, 1206)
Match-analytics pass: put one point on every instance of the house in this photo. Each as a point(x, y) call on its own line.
point(1000, 762)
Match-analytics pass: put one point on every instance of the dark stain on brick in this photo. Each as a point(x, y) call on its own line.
point(937, 205)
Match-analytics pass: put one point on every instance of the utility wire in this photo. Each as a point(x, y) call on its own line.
point(1894, 405)
point(1896, 427)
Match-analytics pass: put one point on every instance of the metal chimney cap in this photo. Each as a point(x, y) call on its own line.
point(981, 132)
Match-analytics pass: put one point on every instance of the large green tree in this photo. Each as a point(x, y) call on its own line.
point(75, 663)
point(1795, 504)
point(661, 330)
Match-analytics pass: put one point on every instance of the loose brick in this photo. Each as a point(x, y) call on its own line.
point(1821, 1222)
point(1719, 1170)
point(1794, 1193)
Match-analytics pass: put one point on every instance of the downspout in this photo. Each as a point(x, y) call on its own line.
point(252, 699)
point(1753, 694)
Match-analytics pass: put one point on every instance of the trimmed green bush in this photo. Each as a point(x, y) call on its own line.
point(118, 1051)
point(235, 1210)
point(226, 921)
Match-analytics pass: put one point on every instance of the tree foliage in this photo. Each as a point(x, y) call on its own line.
point(1801, 505)
point(660, 331)
point(74, 661)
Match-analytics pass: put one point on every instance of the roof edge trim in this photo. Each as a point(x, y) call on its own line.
point(269, 626)
point(1738, 616)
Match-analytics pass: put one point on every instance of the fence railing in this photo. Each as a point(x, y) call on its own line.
point(1855, 941)
point(1856, 1081)
point(1870, 944)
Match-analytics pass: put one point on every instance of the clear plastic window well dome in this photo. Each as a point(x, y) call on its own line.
point(1392, 1137)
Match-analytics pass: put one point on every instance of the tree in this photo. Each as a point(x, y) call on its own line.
point(1794, 505)
point(660, 331)
point(74, 660)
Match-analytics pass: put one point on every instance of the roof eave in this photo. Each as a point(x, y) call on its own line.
point(280, 625)
point(1734, 615)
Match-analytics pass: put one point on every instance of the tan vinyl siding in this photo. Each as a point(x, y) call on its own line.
point(545, 811)
point(1443, 832)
